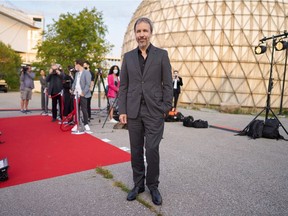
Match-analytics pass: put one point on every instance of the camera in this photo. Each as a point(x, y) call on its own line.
point(72, 69)
point(54, 71)
point(24, 68)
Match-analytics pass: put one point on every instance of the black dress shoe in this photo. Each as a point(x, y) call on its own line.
point(156, 197)
point(134, 192)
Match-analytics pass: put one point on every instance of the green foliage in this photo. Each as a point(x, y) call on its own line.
point(10, 63)
point(104, 172)
point(74, 36)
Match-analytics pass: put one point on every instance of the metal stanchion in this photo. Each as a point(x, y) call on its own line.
point(77, 132)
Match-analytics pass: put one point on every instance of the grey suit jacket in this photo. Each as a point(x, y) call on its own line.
point(155, 83)
point(85, 81)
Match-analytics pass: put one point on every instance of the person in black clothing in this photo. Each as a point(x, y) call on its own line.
point(177, 83)
point(67, 96)
point(87, 67)
point(55, 79)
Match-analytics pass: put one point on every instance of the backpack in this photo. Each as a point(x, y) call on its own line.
point(255, 129)
point(188, 121)
point(271, 129)
point(200, 124)
point(174, 116)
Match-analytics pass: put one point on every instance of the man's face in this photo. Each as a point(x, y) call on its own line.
point(77, 67)
point(143, 34)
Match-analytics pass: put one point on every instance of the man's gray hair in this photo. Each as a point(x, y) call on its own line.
point(146, 20)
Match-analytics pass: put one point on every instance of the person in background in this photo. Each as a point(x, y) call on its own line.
point(145, 98)
point(177, 83)
point(44, 95)
point(67, 96)
point(26, 86)
point(55, 79)
point(113, 88)
point(81, 87)
point(87, 67)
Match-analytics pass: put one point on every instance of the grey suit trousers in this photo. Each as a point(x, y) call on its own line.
point(145, 131)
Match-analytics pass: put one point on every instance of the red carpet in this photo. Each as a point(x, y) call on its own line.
point(37, 149)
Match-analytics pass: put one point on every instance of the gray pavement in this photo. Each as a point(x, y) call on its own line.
point(203, 172)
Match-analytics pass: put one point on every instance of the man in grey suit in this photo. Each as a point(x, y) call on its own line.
point(145, 97)
point(81, 85)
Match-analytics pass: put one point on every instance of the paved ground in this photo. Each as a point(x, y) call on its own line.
point(203, 172)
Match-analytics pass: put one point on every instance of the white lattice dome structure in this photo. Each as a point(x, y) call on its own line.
point(212, 44)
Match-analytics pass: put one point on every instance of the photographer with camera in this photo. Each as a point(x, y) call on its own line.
point(55, 79)
point(177, 83)
point(26, 86)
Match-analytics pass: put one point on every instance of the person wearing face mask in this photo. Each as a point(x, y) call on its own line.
point(113, 88)
point(87, 67)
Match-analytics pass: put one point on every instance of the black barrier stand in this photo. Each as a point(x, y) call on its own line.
point(268, 109)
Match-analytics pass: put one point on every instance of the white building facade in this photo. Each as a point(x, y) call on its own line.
point(21, 31)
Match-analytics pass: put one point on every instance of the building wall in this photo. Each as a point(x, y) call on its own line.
point(20, 32)
point(212, 43)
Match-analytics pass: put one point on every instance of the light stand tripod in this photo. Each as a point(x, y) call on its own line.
point(97, 80)
point(270, 86)
point(283, 82)
point(111, 106)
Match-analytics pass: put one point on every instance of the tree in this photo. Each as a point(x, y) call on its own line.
point(74, 36)
point(10, 63)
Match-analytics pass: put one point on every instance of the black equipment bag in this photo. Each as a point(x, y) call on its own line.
point(174, 116)
point(255, 129)
point(200, 124)
point(188, 121)
point(271, 129)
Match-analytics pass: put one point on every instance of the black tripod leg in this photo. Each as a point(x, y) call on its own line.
point(278, 121)
point(243, 132)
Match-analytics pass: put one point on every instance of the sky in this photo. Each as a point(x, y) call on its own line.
point(116, 14)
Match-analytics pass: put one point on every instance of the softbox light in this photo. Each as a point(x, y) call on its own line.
point(4, 169)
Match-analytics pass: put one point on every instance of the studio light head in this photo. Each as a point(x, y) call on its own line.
point(281, 45)
point(260, 49)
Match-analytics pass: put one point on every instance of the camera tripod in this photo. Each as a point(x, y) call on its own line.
point(97, 80)
point(267, 109)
